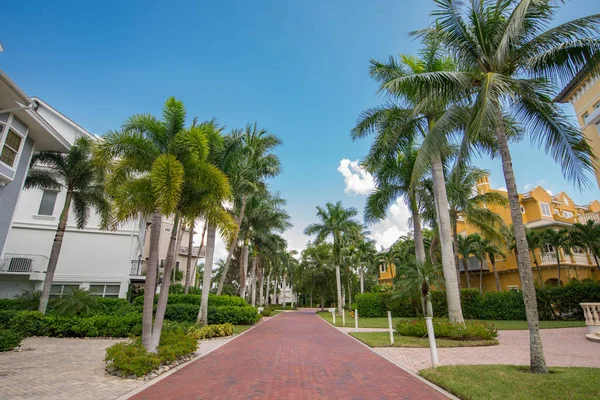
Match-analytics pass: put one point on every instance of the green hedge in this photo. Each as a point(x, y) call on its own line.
point(33, 323)
point(553, 302)
point(213, 300)
point(235, 315)
point(9, 339)
point(443, 328)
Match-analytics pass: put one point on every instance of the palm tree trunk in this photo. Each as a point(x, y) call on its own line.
point(261, 284)
point(496, 277)
point(151, 277)
point(253, 281)
point(275, 291)
point(188, 267)
point(558, 265)
point(338, 281)
point(418, 232)
point(177, 249)
point(163, 297)
point(267, 301)
point(455, 248)
point(55, 253)
point(233, 245)
point(443, 219)
point(536, 349)
point(349, 295)
point(244, 269)
point(481, 276)
point(467, 275)
point(199, 251)
point(283, 291)
point(362, 280)
point(207, 273)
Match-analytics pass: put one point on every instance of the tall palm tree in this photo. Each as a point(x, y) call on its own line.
point(588, 235)
point(398, 124)
point(156, 166)
point(508, 63)
point(478, 247)
point(335, 220)
point(248, 165)
point(558, 239)
point(76, 174)
point(365, 257)
point(533, 243)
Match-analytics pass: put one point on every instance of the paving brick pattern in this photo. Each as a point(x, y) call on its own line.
point(293, 356)
point(565, 347)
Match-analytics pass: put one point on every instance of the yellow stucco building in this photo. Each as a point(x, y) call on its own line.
point(540, 211)
point(583, 93)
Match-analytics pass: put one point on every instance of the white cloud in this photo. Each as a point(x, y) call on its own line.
point(549, 192)
point(386, 232)
point(502, 189)
point(528, 187)
point(358, 181)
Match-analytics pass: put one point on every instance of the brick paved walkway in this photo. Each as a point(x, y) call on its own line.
point(293, 356)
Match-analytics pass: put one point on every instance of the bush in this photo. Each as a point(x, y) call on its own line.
point(235, 315)
point(80, 302)
point(131, 358)
point(507, 305)
point(371, 305)
point(211, 331)
point(180, 289)
point(181, 312)
point(6, 316)
point(114, 306)
point(443, 328)
point(28, 323)
point(266, 312)
point(9, 339)
point(213, 300)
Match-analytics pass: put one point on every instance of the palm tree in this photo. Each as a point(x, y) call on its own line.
point(397, 125)
point(533, 243)
point(365, 256)
point(588, 235)
point(465, 249)
point(493, 250)
point(75, 173)
point(418, 278)
point(478, 246)
point(508, 62)
point(247, 165)
point(557, 239)
point(156, 167)
point(335, 221)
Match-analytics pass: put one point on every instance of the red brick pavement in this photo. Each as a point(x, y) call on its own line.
point(293, 356)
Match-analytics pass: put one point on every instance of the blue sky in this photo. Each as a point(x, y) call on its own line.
point(298, 68)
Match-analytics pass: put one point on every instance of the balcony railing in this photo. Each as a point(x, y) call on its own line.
point(138, 268)
point(594, 216)
point(548, 258)
point(17, 263)
point(183, 250)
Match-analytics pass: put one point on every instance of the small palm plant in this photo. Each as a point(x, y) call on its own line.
point(557, 239)
point(588, 235)
point(79, 302)
point(76, 174)
point(417, 279)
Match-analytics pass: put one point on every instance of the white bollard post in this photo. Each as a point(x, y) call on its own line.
point(333, 313)
point(390, 324)
point(356, 320)
point(344, 318)
point(432, 346)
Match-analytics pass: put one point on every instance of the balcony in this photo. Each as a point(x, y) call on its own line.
point(34, 265)
point(548, 259)
point(593, 216)
point(183, 251)
point(138, 268)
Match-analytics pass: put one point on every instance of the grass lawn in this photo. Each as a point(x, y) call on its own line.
point(382, 339)
point(473, 382)
point(237, 329)
point(502, 325)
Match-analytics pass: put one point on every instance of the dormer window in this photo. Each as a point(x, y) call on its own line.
point(566, 201)
point(12, 137)
point(545, 207)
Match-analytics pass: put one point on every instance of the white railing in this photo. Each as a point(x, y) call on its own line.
point(591, 311)
point(580, 259)
point(594, 216)
point(183, 250)
point(548, 258)
point(23, 263)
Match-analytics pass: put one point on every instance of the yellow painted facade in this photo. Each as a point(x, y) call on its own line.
point(540, 210)
point(583, 93)
point(387, 272)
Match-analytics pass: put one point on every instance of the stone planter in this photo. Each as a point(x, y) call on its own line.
point(591, 311)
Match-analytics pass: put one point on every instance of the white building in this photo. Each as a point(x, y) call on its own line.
point(90, 258)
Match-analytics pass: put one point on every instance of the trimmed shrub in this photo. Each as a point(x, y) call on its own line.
point(213, 300)
point(28, 323)
point(507, 305)
point(443, 328)
point(211, 331)
point(371, 305)
point(182, 312)
point(6, 316)
point(235, 315)
point(266, 312)
point(114, 306)
point(9, 339)
point(130, 358)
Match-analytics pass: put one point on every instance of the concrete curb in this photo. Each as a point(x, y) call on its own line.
point(180, 366)
point(425, 381)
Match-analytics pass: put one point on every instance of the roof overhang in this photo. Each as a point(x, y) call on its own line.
point(565, 94)
point(13, 98)
point(544, 223)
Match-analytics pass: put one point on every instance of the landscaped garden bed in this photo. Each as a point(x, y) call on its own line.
point(382, 339)
point(491, 382)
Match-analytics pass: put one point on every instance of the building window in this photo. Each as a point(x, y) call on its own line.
point(566, 201)
point(545, 209)
point(567, 214)
point(60, 290)
point(11, 148)
point(105, 290)
point(383, 268)
point(586, 116)
point(513, 287)
point(548, 248)
point(597, 105)
point(48, 202)
point(522, 210)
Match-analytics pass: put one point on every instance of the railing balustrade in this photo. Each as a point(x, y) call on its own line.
point(591, 311)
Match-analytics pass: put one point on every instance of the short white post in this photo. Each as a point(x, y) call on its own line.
point(344, 318)
point(432, 346)
point(356, 320)
point(333, 318)
point(390, 324)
